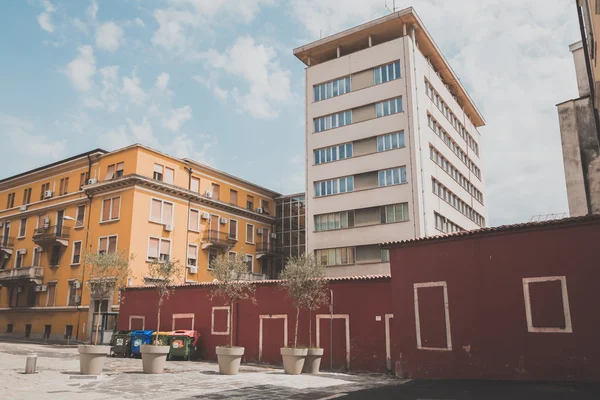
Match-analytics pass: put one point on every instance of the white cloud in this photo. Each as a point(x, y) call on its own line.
point(45, 22)
point(92, 10)
point(162, 81)
point(176, 118)
point(139, 22)
point(268, 83)
point(142, 133)
point(92, 102)
point(82, 69)
point(133, 90)
point(80, 25)
point(23, 140)
point(211, 83)
point(183, 146)
point(48, 6)
point(109, 36)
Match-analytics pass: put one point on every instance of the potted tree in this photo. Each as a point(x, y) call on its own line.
point(163, 274)
point(230, 273)
point(303, 280)
point(108, 275)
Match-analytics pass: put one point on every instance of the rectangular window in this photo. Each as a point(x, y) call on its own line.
point(216, 191)
point(212, 256)
point(55, 255)
point(27, 196)
point(333, 121)
point(107, 244)
point(192, 256)
point(44, 188)
point(10, 201)
point(394, 213)
point(445, 225)
point(385, 255)
point(339, 256)
point(340, 220)
point(51, 296)
point(334, 186)
point(68, 331)
point(80, 216)
point(393, 176)
point(195, 185)
point(194, 221)
point(76, 257)
point(250, 262)
point(233, 227)
point(120, 169)
point(110, 172)
point(169, 175)
point(442, 192)
point(19, 259)
point(72, 295)
point(23, 228)
point(233, 197)
point(250, 203)
point(64, 186)
point(390, 141)
point(265, 206)
point(158, 249)
point(161, 211)
point(332, 89)
point(388, 107)
point(387, 73)
point(335, 153)
point(84, 177)
point(110, 209)
point(250, 233)
point(158, 172)
point(37, 254)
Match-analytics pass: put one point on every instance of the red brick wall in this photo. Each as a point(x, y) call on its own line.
point(362, 301)
point(486, 304)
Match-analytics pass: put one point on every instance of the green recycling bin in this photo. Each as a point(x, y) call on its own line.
point(121, 344)
point(184, 344)
point(163, 338)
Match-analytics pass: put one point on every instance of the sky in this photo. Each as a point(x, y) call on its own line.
point(217, 81)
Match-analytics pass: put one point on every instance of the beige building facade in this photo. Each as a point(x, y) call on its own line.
point(393, 149)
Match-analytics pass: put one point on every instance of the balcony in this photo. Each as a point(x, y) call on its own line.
point(51, 235)
point(6, 244)
point(266, 249)
point(33, 274)
point(217, 239)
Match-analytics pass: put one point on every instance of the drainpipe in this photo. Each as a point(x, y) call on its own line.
point(187, 234)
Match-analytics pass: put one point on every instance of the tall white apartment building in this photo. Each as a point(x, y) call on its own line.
point(392, 146)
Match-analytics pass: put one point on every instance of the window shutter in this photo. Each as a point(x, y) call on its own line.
point(155, 212)
point(106, 210)
point(167, 213)
point(110, 172)
point(116, 205)
point(165, 247)
point(169, 175)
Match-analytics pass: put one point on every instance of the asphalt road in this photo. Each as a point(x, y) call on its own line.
point(479, 390)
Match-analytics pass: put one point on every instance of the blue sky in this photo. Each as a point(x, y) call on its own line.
point(216, 81)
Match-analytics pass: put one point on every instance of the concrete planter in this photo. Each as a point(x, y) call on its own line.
point(293, 360)
point(313, 361)
point(229, 359)
point(91, 358)
point(154, 358)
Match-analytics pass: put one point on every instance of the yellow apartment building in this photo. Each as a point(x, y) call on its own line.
point(137, 199)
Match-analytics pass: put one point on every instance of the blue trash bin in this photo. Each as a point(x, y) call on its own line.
point(138, 338)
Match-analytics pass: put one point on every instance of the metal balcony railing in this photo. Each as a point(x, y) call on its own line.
point(15, 274)
point(267, 248)
point(53, 233)
point(6, 242)
point(219, 239)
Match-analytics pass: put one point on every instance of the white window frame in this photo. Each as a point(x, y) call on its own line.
point(112, 200)
point(565, 300)
point(36, 250)
point(19, 255)
point(416, 288)
point(189, 214)
point(162, 212)
point(162, 173)
point(165, 175)
point(160, 240)
point(83, 219)
point(187, 255)
point(71, 287)
point(251, 262)
point(253, 241)
point(208, 260)
point(21, 228)
point(237, 229)
point(73, 252)
point(55, 284)
point(107, 237)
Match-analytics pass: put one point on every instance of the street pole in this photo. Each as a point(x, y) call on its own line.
point(331, 331)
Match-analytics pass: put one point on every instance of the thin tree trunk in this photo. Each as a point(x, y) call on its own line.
point(309, 328)
point(99, 316)
point(157, 324)
point(230, 322)
point(296, 332)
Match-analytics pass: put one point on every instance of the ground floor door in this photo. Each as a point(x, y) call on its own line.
point(106, 325)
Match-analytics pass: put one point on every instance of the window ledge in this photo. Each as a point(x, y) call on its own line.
point(110, 220)
point(359, 156)
point(362, 226)
point(354, 123)
point(252, 243)
point(78, 227)
point(21, 237)
point(75, 264)
point(357, 191)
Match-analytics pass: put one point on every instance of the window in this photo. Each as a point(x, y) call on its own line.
point(445, 225)
point(72, 295)
point(334, 153)
point(110, 209)
point(339, 220)
point(339, 256)
point(233, 197)
point(388, 107)
point(63, 187)
point(451, 170)
point(51, 296)
point(9, 328)
point(37, 255)
point(10, 201)
point(216, 191)
point(194, 221)
point(394, 213)
point(45, 187)
point(249, 233)
point(233, 229)
point(107, 244)
point(387, 73)
point(192, 256)
point(385, 255)
point(195, 185)
point(332, 89)
point(449, 197)
point(159, 249)
point(250, 203)
point(55, 255)
point(249, 263)
point(158, 172)
point(76, 256)
point(68, 331)
point(23, 228)
point(393, 176)
point(212, 256)
point(110, 172)
point(13, 297)
point(390, 141)
point(169, 175)
point(333, 121)
point(84, 177)
point(334, 186)
point(19, 259)
point(264, 204)
point(161, 212)
point(79, 218)
point(120, 170)
point(27, 196)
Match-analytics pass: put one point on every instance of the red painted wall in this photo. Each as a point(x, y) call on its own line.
point(489, 331)
point(361, 300)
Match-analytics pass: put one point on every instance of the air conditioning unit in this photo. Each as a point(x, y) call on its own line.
point(20, 289)
point(273, 236)
point(40, 249)
point(48, 194)
point(77, 300)
point(92, 181)
point(205, 215)
point(259, 231)
point(23, 207)
point(259, 210)
point(22, 251)
point(46, 223)
point(41, 288)
point(76, 284)
point(223, 221)
point(193, 270)
point(168, 227)
point(208, 193)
